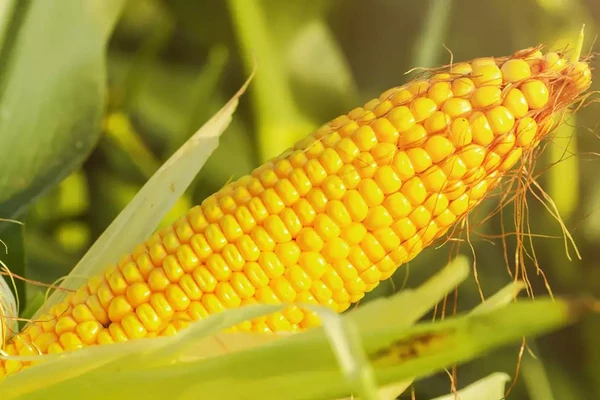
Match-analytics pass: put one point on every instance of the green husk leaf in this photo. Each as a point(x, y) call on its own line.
point(491, 387)
point(142, 215)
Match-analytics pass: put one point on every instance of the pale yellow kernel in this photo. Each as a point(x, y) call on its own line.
point(387, 180)
point(348, 129)
point(515, 70)
point(371, 276)
point(457, 107)
point(82, 313)
point(481, 129)
point(461, 69)
point(414, 191)
point(97, 309)
point(418, 87)
point(330, 139)
point(400, 97)
point(446, 218)
point(438, 92)
point(437, 122)
point(438, 147)
point(356, 113)
point(553, 62)
point(403, 166)
point(516, 103)
point(381, 108)
point(479, 62)
point(419, 158)
point(401, 118)
point(536, 93)
point(44, 340)
point(356, 205)
point(117, 282)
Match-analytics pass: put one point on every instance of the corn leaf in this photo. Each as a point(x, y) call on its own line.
point(491, 387)
point(143, 214)
point(52, 93)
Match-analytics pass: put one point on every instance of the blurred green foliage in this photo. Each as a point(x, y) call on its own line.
point(172, 64)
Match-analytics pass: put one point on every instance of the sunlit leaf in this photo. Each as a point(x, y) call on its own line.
point(491, 387)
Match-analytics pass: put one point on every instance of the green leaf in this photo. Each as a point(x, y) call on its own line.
point(52, 85)
point(491, 387)
point(143, 214)
point(12, 255)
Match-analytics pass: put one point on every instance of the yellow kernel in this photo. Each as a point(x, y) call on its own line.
point(336, 210)
point(403, 166)
point(365, 138)
point(214, 236)
point(283, 289)
point(370, 192)
point(434, 179)
point(371, 276)
point(526, 131)
point(163, 308)
point(460, 205)
point(277, 229)
point(54, 348)
point(298, 278)
point(414, 190)
point(356, 205)
point(200, 246)
point(457, 107)
point(205, 280)
point(359, 258)
point(378, 217)
point(486, 96)
point(387, 238)
point(460, 132)
point(385, 131)
point(439, 121)
point(271, 264)
point(438, 93)
point(486, 75)
point(398, 205)
point(436, 204)
point(438, 148)
point(473, 155)
point(553, 62)
point(350, 176)
point(257, 276)
point(227, 295)
point(479, 62)
point(481, 130)
point(65, 324)
point(501, 120)
point(315, 172)
point(325, 227)
point(413, 137)
point(172, 269)
point(309, 240)
point(272, 202)
point(333, 187)
point(462, 87)
point(97, 309)
point(218, 267)
point(198, 311)
point(516, 103)
point(347, 150)
point(387, 180)
point(536, 93)
point(419, 158)
point(248, 250)
point(187, 258)
point(70, 341)
point(511, 159)
point(44, 340)
point(446, 218)
point(331, 161)
point(515, 70)
point(420, 217)
point(148, 317)
point(461, 69)
point(300, 180)
point(305, 211)
point(383, 153)
point(353, 233)
point(177, 297)
point(505, 144)
point(288, 253)
point(454, 167)
point(82, 313)
point(262, 239)
point(313, 264)
point(401, 118)
point(422, 108)
point(317, 199)
point(266, 295)
point(402, 96)
point(119, 307)
point(133, 327)
point(278, 323)
point(418, 87)
point(212, 303)
point(117, 282)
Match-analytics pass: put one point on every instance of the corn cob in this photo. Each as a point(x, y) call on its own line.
point(331, 217)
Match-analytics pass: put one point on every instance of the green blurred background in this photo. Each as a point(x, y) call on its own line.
point(174, 63)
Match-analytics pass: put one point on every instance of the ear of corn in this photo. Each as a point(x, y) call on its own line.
point(331, 217)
